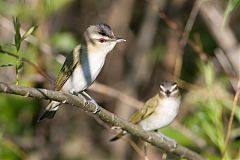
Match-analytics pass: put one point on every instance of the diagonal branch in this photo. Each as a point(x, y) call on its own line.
point(104, 115)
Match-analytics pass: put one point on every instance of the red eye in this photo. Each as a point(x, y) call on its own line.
point(102, 40)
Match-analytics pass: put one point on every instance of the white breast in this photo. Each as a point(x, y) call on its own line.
point(84, 75)
point(165, 113)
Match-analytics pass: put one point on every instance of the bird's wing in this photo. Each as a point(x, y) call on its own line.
point(67, 69)
point(146, 110)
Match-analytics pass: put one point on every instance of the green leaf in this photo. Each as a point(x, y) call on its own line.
point(20, 66)
point(29, 32)
point(18, 38)
point(6, 65)
point(232, 4)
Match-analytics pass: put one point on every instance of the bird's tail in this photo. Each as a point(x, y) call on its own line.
point(50, 111)
point(118, 136)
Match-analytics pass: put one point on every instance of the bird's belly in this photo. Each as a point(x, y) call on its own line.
point(156, 122)
point(82, 77)
point(163, 116)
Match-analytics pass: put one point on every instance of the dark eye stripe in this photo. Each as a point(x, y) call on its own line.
point(102, 33)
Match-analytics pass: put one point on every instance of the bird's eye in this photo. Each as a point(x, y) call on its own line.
point(102, 40)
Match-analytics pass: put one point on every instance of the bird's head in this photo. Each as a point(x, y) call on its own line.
point(100, 38)
point(169, 89)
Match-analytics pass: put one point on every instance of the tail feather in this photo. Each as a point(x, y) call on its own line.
point(51, 110)
point(118, 136)
point(47, 114)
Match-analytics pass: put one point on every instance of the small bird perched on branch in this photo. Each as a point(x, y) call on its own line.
point(84, 63)
point(159, 111)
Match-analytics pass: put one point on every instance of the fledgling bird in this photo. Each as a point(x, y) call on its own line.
point(84, 63)
point(159, 111)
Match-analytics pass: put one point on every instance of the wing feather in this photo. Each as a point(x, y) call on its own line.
point(148, 108)
point(67, 69)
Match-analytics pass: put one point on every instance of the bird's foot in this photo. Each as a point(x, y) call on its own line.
point(88, 100)
point(163, 136)
point(87, 96)
point(75, 93)
point(92, 101)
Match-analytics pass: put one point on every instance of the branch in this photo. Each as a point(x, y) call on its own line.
point(185, 37)
point(104, 115)
point(230, 122)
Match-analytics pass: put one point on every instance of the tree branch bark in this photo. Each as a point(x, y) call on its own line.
point(104, 115)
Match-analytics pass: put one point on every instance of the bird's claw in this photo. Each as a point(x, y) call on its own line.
point(174, 145)
point(97, 108)
point(73, 92)
point(86, 102)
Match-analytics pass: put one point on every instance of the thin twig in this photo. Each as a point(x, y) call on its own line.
point(175, 27)
point(230, 123)
point(105, 116)
point(111, 92)
point(36, 67)
point(196, 47)
point(145, 151)
point(185, 36)
point(213, 15)
point(13, 147)
point(134, 146)
point(227, 67)
point(200, 142)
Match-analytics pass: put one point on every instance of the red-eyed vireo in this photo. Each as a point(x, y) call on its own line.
point(159, 111)
point(84, 63)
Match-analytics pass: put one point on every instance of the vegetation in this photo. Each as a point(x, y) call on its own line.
point(192, 42)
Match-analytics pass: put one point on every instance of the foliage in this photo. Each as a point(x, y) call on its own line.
point(212, 103)
point(232, 4)
point(18, 41)
point(205, 109)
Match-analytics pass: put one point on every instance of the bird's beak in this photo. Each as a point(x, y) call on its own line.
point(168, 93)
point(118, 40)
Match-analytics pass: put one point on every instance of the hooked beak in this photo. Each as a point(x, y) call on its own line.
point(118, 40)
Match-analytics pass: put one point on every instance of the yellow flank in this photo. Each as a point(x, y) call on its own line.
point(148, 108)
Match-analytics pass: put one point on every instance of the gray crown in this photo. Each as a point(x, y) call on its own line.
point(102, 29)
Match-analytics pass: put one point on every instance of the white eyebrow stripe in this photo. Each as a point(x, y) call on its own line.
point(162, 88)
point(98, 36)
point(173, 87)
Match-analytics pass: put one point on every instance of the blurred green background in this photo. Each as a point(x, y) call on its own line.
point(206, 68)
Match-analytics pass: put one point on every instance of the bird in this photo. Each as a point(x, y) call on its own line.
point(83, 64)
point(159, 111)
